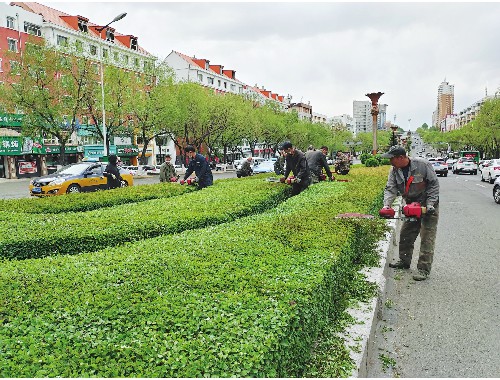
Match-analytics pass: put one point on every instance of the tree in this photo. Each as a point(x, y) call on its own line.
point(49, 87)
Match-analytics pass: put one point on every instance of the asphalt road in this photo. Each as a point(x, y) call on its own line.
point(448, 325)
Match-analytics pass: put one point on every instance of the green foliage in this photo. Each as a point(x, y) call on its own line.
point(242, 299)
point(93, 201)
point(372, 162)
point(364, 156)
point(34, 236)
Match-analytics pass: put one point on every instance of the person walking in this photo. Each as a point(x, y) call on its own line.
point(167, 170)
point(296, 162)
point(112, 173)
point(416, 181)
point(199, 165)
point(316, 160)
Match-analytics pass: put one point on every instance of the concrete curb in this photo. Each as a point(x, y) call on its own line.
point(358, 336)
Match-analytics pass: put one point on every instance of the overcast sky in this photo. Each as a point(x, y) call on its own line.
point(328, 53)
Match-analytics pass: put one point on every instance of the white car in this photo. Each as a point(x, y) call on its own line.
point(131, 169)
point(450, 162)
point(496, 191)
point(264, 167)
point(465, 165)
point(440, 167)
point(491, 171)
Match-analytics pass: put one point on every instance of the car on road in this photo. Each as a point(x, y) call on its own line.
point(482, 164)
point(465, 165)
point(496, 191)
point(450, 162)
point(264, 167)
point(491, 171)
point(131, 169)
point(75, 178)
point(440, 168)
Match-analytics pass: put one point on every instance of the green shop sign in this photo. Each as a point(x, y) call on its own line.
point(18, 146)
point(11, 119)
point(56, 149)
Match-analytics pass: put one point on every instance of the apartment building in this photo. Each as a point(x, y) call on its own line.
point(346, 121)
point(445, 103)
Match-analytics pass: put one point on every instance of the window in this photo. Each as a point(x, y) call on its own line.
point(11, 23)
point(218, 82)
point(79, 46)
point(62, 40)
point(82, 26)
point(105, 53)
point(12, 43)
point(125, 59)
point(200, 77)
point(210, 80)
point(233, 87)
point(136, 62)
point(32, 29)
point(133, 44)
point(93, 49)
point(116, 56)
point(110, 35)
point(225, 84)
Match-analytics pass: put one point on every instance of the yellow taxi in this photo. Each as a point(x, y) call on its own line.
point(75, 178)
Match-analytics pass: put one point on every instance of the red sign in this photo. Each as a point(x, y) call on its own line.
point(27, 167)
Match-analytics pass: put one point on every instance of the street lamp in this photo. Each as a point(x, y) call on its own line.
point(104, 131)
point(374, 97)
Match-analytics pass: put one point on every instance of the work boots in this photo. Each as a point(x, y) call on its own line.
point(422, 275)
point(399, 265)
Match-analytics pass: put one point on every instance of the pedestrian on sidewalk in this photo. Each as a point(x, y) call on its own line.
point(416, 180)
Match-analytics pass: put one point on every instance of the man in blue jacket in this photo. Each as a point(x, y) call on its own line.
point(199, 166)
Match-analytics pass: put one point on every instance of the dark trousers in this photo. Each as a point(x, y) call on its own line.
point(427, 228)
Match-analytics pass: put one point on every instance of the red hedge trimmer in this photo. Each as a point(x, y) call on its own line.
point(189, 181)
point(411, 212)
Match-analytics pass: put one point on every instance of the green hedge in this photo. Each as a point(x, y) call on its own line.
point(92, 201)
point(242, 299)
point(34, 236)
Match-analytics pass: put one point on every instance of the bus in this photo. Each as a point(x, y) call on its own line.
point(474, 154)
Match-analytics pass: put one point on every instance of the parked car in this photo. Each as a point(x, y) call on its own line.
point(482, 164)
point(76, 178)
point(496, 190)
point(440, 168)
point(465, 165)
point(131, 169)
point(264, 167)
point(491, 171)
point(450, 162)
point(148, 169)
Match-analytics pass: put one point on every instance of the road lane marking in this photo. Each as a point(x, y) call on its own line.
point(478, 184)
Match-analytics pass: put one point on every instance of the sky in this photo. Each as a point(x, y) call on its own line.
point(328, 54)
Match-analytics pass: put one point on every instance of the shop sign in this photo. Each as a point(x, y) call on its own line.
point(127, 150)
point(10, 145)
point(56, 149)
point(11, 120)
point(27, 167)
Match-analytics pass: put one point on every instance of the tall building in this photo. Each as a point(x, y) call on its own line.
point(361, 111)
point(445, 103)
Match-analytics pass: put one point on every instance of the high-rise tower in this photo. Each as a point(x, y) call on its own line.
point(445, 102)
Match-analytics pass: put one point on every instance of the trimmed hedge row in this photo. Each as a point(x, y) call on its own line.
point(242, 299)
point(34, 236)
point(92, 201)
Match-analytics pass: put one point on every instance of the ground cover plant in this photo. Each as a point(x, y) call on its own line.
point(247, 298)
point(27, 236)
point(95, 200)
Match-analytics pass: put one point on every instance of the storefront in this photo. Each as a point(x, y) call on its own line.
point(22, 157)
point(72, 154)
point(127, 153)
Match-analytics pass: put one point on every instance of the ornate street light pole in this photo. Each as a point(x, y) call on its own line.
point(104, 131)
point(374, 97)
point(394, 141)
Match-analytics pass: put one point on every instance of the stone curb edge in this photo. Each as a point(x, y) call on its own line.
point(358, 336)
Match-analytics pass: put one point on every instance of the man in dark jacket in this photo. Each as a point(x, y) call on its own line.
point(199, 166)
point(316, 160)
point(112, 173)
point(246, 168)
point(296, 162)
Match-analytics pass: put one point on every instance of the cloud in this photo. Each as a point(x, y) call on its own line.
point(328, 53)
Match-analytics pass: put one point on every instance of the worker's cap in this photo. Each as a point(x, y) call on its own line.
point(286, 145)
point(189, 148)
point(394, 151)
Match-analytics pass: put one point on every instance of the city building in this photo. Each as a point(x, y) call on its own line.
point(344, 121)
point(445, 103)
point(318, 118)
point(21, 20)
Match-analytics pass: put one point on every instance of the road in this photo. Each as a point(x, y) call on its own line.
point(18, 188)
point(448, 325)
